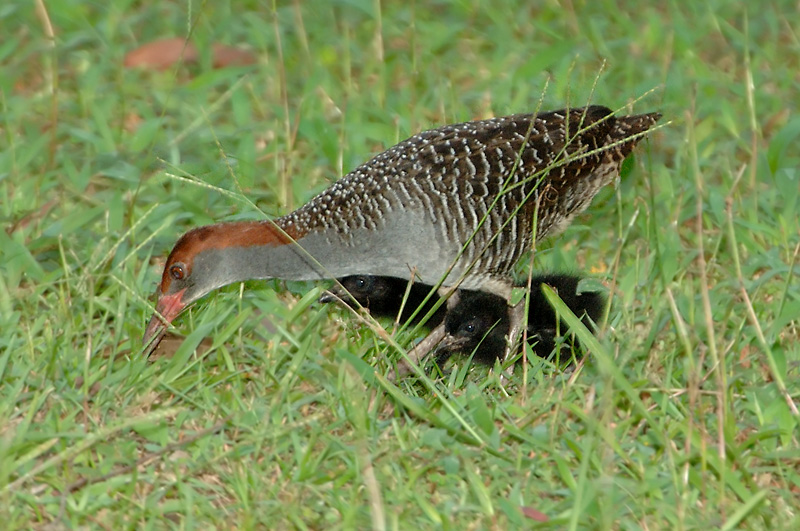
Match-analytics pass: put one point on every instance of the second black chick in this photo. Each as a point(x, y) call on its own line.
point(384, 296)
point(480, 321)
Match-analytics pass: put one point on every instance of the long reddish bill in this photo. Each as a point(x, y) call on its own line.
point(169, 306)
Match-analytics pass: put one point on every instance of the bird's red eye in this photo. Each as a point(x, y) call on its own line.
point(177, 272)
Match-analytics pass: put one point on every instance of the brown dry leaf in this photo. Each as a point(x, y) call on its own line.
point(161, 54)
point(775, 122)
point(745, 355)
point(225, 56)
point(170, 343)
point(132, 122)
point(30, 217)
point(165, 53)
point(166, 348)
point(28, 84)
point(533, 514)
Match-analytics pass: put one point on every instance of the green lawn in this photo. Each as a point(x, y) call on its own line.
point(270, 410)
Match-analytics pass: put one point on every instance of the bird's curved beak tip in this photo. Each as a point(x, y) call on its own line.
point(167, 309)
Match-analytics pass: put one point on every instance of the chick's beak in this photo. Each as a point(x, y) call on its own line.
point(167, 309)
point(333, 294)
point(327, 297)
point(450, 344)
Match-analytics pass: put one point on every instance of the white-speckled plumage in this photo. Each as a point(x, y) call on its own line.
point(478, 182)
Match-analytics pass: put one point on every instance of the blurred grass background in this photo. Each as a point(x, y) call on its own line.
point(267, 414)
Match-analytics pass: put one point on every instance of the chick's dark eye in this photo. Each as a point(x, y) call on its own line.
point(361, 282)
point(177, 272)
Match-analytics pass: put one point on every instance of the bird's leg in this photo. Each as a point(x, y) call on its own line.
point(516, 314)
point(422, 349)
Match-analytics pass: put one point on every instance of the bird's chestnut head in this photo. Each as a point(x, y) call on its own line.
point(179, 286)
point(203, 260)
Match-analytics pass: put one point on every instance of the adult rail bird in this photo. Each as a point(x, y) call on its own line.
point(454, 206)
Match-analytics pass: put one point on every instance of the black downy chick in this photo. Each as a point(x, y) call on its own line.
point(480, 321)
point(384, 296)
